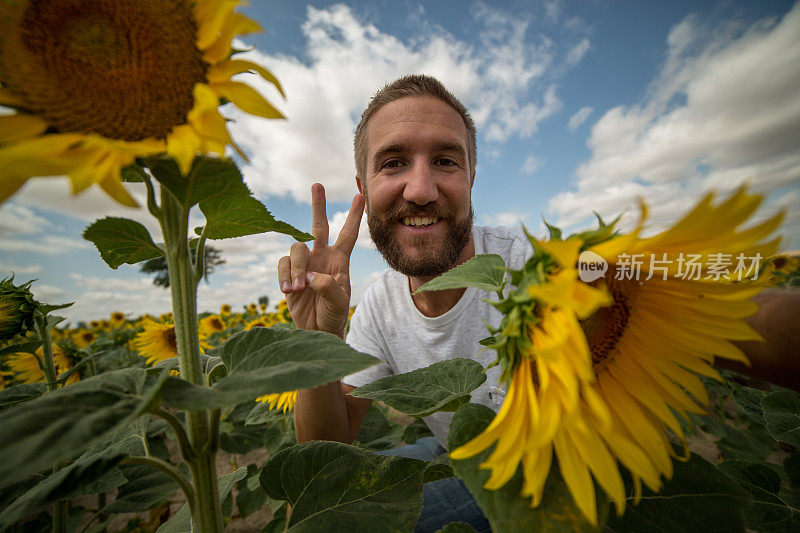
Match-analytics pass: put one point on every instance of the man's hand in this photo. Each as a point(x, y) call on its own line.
point(317, 281)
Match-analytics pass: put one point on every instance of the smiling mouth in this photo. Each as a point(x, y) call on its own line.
point(419, 222)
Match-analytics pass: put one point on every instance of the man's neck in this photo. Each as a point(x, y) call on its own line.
point(437, 303)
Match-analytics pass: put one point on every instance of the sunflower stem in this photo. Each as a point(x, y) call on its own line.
point(49, 369)
point(200, 257)
point(152, 204)
point(187, 451)
point(174, 221)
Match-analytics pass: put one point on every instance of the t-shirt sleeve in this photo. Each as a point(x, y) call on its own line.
point(362, 337)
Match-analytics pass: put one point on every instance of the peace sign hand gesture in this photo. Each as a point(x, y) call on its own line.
point(317, 281)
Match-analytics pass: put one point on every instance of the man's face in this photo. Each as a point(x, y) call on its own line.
point(418, 184)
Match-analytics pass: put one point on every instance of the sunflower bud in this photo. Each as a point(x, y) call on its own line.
point(16, 308)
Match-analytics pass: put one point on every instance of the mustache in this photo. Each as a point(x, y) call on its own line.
point(431, 209)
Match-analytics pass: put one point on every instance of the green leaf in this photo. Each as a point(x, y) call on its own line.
point(262, 414)
point(23, 347)
point(376, 432)
point(209, 177)
point(415, 431)
point(181, 522)
point(146, 487)
point(484, 271)
point(132, 173)
point(782, 416)
point(442, 386)
point(235, 216)
point(768, 512)
point(334, 487)
point(268, 360)
point(21, 393)
point(505, 507)
point(748, 401)
point(63, 484)
point(439, 468)
point(699, 497)
point(120, 240)
point(56, 427)
point(250, 497)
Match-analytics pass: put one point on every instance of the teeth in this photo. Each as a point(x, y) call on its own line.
point(419, 221)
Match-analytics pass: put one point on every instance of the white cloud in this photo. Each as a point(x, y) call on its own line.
point(19, 220)
point(723, 110)
point(531, 164)
point(578, 51)
point(8, 268)
point(576, 120)
point(499, 76)
point(47, 244)
point(337, 222)
point(48, 293)
point(507, 218)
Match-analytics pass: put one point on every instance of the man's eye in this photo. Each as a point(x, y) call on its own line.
point(392, 163)
point(446, 162)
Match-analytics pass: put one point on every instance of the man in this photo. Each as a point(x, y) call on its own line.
point(415, 154)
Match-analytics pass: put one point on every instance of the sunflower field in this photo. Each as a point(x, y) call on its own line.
point(615, 417)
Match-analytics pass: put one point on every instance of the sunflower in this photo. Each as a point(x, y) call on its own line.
point(252, 308)
point(83, 338)
point(156, 342)
point(96, 84)
point(211, 324)
point(280, 400)
point(225, 310)
point(260, 322)
point(26, 367)
point(117, 319)
point(643, 339)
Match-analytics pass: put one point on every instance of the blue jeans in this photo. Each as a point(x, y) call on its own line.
point(443, 501)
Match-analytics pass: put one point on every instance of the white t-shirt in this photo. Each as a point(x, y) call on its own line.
point(389, 326)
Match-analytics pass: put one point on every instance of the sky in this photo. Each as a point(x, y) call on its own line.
point(580, 107)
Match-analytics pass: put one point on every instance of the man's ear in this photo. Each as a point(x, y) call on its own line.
point(472, 179)
point(360, 185)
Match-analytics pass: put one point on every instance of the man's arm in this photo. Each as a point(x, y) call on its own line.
point(329, 413)
point(777, 359)
point(317, 287)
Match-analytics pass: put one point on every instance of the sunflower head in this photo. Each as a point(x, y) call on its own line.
point(280, 400)
point(16, 308)
point(225, 310)
point(156, 342)
point(117, 319)
point(97, 83)
point(83, 338)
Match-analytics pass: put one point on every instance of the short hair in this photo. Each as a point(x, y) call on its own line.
point(411, 85)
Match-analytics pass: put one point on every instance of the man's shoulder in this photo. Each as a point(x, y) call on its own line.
point(508, 242)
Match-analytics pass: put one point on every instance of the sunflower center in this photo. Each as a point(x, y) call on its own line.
point(123, 69)
point(607, 325)
point(169, 336)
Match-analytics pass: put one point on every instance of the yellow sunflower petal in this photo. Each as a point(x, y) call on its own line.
point(576, 476)
point(246, 98)
point(20, 126)
point(230, 68)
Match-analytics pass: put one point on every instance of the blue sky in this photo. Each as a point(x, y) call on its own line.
point(580, 106)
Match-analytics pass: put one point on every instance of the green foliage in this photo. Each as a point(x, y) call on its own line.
point(782, 416)
point(56, 427)
point(339, 488)
point(145, 488)
point(120, 240)
point(442, 386)
point(266, 360)
point(768, 511)
point(209, 177)
point(698, 498)
point(235, 216)
point(250, 497)
point(182, 521)
point(506, 510)
point(484, 271)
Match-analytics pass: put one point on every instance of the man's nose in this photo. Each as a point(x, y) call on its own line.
point(420, 187)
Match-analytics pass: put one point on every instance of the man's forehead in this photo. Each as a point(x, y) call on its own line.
point(414, 119)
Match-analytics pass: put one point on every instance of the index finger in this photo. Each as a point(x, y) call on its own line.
point(319, 217)
point(347, 237)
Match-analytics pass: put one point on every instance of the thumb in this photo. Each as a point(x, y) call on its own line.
point(326, 286)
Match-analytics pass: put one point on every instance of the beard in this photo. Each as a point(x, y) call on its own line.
point(438, 257)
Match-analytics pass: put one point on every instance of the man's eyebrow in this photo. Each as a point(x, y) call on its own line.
point(443, 146)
